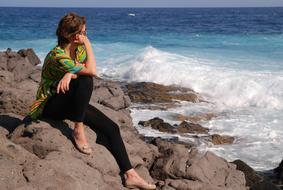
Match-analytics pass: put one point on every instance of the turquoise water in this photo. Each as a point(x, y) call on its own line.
point(233, 57)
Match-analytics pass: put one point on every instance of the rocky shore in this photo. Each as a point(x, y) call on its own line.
point(41, 154)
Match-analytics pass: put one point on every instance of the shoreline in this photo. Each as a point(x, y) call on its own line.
point(19, 78)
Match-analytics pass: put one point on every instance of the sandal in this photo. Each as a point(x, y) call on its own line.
point(86, 149)
point(148, 186)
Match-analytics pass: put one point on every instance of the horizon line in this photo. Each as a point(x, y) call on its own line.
point(143, 7)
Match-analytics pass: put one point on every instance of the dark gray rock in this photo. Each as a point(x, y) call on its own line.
point(148, 92)
point(186, 127)
point(158, 124)
point(253, 179)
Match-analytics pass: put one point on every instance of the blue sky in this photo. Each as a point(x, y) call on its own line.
point(142, 3)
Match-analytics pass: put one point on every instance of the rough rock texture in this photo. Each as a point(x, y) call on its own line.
point(186, 127)
point(41, 154)
point(279, 172)
point(218, 139)
point(194, 118)
point(253, 179)
point(148, 92)
point(182, 169)
point(158, 124)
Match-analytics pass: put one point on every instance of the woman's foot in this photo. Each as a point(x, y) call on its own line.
point(80, 140)
point(133, 180)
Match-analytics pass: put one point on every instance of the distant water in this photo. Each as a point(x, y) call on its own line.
point(233, 56)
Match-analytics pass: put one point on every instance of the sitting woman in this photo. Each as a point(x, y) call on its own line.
point(65, 90)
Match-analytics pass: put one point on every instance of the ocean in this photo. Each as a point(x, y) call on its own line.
point(232, 56)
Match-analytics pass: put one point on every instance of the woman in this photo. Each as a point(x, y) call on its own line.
point(65, 90)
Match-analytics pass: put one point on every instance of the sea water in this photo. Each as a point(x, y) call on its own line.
point(232, 56)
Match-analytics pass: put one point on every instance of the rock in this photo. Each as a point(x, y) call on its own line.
point(6, 78)
point(186, 127)
point(172, 162)
point(109, 94)
point(156, 106)
point(174, 140)
point(182, 169)
point(250, 174)
point(193, 118)
point(253, 179)
point(148, 92)
point(19, 66)
point(8, 122)
point(56, 172)
point(279, 172)
point(158, 124)
point(36, 75)
point(12, 157)
point(3, 61)
point(30, 55)
point(218, 139)
point(14, 100)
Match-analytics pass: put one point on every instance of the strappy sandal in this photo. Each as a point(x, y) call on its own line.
point(86, 149)
point(147, 186)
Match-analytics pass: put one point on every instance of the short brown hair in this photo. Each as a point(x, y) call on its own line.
point(68, 26)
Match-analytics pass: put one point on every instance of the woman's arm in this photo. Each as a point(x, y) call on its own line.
point(90, 63)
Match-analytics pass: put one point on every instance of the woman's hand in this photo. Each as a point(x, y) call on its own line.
point(81, 39)
point(63, 84)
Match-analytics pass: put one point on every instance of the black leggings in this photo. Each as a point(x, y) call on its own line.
point(74, 105)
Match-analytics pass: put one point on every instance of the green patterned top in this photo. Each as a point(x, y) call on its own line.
point(56, 64)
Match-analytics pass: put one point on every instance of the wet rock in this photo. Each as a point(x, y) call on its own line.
point(186, 127)
point(194, 118)
point(158, 124)
point(148, 92)
point(156, 106)
point(254, 180)
point(224, 139)
point(279, 172)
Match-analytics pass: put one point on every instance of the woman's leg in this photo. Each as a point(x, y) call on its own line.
point(97, 120)
point(71, 104)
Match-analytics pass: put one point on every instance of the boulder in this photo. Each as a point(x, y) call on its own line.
point(30, 55)
point(158, 124)
point(224, 139)
point(109, 94)
point(194, 118)
point(184, 169)
point(185, 127)
point(148, 92)
point(253, 179)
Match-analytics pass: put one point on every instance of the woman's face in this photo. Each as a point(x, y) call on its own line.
point(78, 38)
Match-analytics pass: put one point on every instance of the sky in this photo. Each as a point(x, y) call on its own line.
point(141, 3)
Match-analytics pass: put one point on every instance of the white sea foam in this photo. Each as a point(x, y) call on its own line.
point(248, 103)
point(225, 86)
